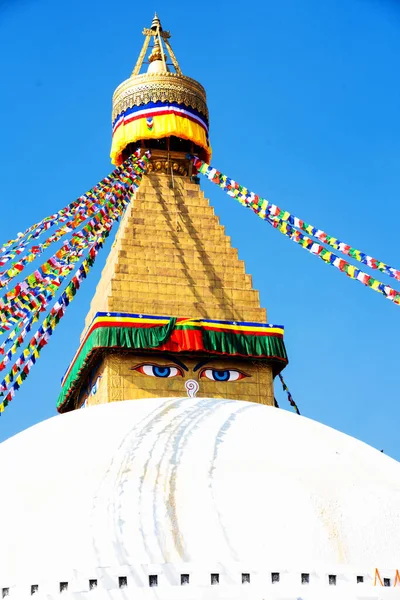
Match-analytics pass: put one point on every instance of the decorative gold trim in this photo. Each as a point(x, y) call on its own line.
point(170, 163)
point(142, 54)
point(159, 78)
point(164, 34)
point(155, 87)
point(173, 57)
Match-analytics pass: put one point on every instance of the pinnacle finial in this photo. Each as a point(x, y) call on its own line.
point(161, 40)
point(156, 53)
point(156, 24)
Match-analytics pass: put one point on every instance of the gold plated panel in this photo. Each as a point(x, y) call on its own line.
point(159, 87)
point(171, 257)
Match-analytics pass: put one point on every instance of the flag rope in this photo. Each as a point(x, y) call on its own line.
point(21, 308)
point(18, 302)
point(289, 395)
point(292, 228)
point(34, 231)
point(100, 229)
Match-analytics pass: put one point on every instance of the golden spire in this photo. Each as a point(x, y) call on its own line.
point(156, 24)
point(159, 82)
point(158, 53)
point(157, 57)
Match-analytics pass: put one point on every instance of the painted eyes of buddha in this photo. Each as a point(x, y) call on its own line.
point(159, 370)
point(169, 371)
point(222, 374)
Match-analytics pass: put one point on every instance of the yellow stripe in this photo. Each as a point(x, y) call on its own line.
point(163, 126)
point(277, 330)
point(130, 320)
point(188, 322)
point(250, 328)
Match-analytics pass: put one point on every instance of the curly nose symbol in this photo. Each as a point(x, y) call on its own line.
point(192, 387)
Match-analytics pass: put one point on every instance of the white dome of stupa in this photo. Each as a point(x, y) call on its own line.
point(172, 491)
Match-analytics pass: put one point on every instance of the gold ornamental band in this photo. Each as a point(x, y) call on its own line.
point(166, 87)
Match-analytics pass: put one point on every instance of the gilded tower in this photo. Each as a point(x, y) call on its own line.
point(174, 312)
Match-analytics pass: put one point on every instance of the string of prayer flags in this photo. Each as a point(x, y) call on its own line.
point(17, 267)
point(267, 210)
point(334, 260)
point(289, 395)
point(50, 275)
point(90, 208)
point(84, 203)
point(28, 357)
point(41, 337)
point(292, 226)
point(65, 213)
point(91, 241)
point(33, 232)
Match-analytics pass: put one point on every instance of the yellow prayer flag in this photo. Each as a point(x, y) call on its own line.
point(350, 271)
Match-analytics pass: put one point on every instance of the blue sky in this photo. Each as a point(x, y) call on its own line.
point(304, 101)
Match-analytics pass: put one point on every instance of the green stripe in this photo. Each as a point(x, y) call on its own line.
point(118, 337)
point(215, 342)
point(245, 345)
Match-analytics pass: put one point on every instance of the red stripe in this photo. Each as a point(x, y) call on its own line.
point(259, 333)
point(123, 324)
point(183, 339)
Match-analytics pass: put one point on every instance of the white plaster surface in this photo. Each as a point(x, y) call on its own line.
point(197, 486)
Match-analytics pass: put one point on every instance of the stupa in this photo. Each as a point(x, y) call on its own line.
point(180, 478)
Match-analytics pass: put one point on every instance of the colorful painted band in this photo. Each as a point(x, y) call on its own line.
point(172, 123)
point(153, 109)
point(169, 334)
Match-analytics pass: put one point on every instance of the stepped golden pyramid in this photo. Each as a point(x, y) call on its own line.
point(172, 257)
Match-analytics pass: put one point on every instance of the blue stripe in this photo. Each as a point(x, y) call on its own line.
point(150, 105)
point(141, 316)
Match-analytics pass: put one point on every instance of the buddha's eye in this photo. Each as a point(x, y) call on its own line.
point(222, 374)
point(164, 371)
